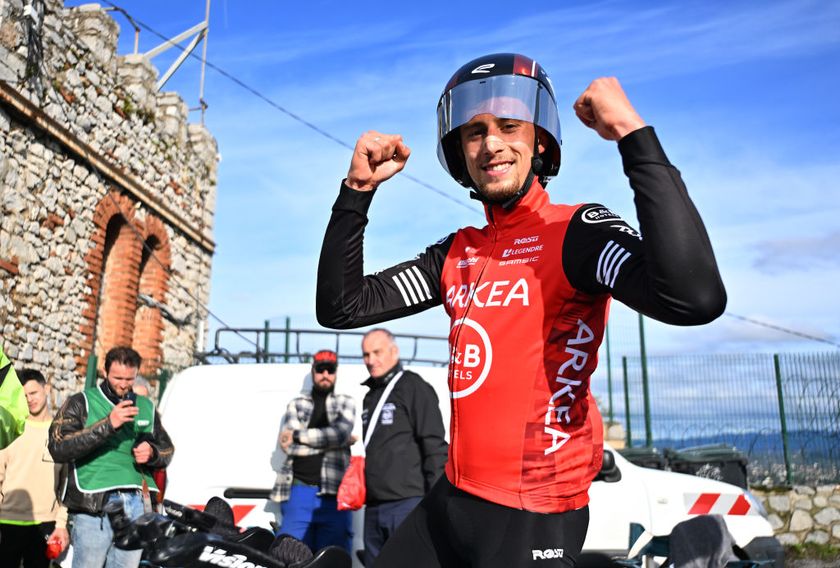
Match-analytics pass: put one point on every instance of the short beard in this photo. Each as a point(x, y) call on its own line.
point(499, 195)
point(316, 388)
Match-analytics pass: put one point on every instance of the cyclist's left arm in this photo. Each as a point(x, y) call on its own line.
point(667, 270)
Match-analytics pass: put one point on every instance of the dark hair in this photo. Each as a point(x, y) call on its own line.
point(123, 355)
point(27, 375)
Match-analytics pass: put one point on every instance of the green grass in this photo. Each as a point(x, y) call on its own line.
point(813, 550)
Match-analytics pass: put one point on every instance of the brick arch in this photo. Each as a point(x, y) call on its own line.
point(113, 278)
point(154, 283)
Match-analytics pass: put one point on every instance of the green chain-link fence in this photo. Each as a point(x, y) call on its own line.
point(781, 411)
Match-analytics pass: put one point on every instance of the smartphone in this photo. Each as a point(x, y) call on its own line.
point(130, 395)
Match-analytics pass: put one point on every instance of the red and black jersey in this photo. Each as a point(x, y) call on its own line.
point(528, 296)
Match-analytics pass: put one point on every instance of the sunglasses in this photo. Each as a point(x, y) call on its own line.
point(321, 367)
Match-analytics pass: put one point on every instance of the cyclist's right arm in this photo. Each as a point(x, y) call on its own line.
point(346, 298)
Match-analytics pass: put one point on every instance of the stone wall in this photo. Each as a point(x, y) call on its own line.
point(107, 197)
point(804, 514)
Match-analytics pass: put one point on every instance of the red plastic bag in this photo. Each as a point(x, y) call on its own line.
point(352, 492)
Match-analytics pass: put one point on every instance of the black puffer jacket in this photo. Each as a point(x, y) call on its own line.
point(70, 440)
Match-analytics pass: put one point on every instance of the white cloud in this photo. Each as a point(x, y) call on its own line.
point(764, 189)
point(805, 254)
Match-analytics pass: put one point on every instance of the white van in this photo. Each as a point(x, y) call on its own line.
point(224, 421)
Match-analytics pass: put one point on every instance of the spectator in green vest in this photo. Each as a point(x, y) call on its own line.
point(111, 443)
point(13, 408)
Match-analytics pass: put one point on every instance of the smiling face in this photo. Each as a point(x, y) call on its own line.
point(497, 153)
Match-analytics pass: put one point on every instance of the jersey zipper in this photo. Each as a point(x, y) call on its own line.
point(454, 418)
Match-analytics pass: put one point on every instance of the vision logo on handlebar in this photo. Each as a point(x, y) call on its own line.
point(220, 557)
point(188, 538)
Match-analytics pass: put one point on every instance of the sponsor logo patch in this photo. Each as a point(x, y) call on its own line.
point(496, 293)
point(467, 262)
point(520, 251)
point(220, 557)
point(515, 261)
point(559, 407)
point(470, 359)
point(484, 68)
point(526, 240)
point(386, 418)
point(547, 554)
point(598, 215)
point(629, 230)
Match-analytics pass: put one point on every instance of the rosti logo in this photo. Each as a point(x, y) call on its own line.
point(526, 240)
point(470, 357)
point(547, 554)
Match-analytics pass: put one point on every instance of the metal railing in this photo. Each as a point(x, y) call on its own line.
point(781, 411)
point(292, 345)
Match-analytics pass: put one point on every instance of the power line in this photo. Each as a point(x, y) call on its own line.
point(344, 144)
point(416, 180)
point(286, 111)
point(782, 329)
point(61, 105)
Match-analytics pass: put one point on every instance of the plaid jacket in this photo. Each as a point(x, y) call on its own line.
point(332, 441)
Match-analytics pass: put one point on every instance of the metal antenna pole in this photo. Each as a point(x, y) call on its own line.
point(204, 62)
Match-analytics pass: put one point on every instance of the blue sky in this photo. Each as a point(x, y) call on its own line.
point(742, 94)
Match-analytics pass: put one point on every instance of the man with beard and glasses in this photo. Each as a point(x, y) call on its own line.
point(316, 435)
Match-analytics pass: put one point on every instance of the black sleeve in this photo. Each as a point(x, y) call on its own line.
point(667, 272)
point(161, 444)
point(68, 438)
point(345, 297)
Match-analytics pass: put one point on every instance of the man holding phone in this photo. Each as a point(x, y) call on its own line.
point(110, 437)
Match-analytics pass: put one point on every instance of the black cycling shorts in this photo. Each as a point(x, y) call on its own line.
point(451, 528)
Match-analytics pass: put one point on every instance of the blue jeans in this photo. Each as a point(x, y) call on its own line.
point(382, 521)
point(316, 519)
point(93, 539)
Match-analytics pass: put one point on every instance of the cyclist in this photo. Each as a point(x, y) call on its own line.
point(528, 297)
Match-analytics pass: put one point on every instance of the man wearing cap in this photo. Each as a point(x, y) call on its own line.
point(316, 435)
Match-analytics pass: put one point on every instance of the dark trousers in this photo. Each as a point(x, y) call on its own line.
point(453, 529)
point(381, 522)
point(25, 542)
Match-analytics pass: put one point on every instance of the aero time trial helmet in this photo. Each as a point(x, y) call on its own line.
point(506, 85)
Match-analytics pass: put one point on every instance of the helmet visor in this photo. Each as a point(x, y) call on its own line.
point(503, 96)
